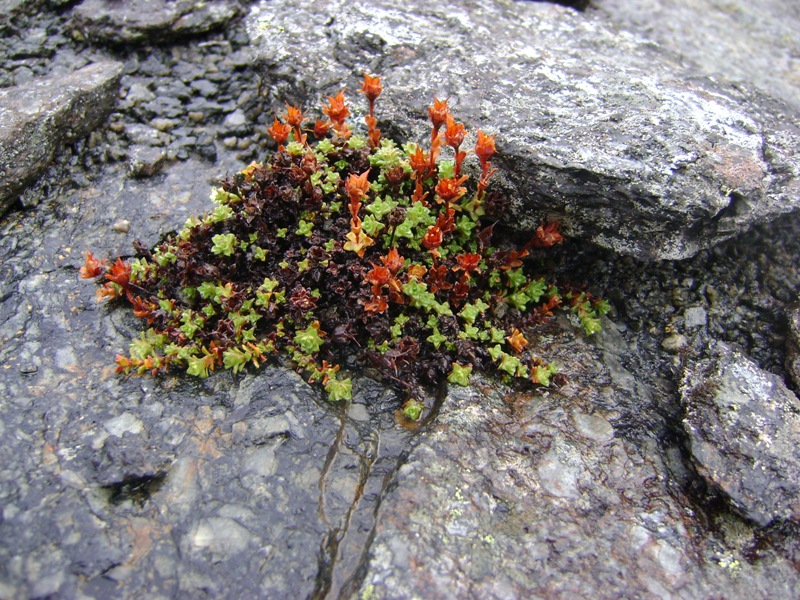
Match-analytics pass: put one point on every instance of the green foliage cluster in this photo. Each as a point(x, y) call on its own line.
point(346, 249)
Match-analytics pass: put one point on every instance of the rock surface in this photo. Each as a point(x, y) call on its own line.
point(793, 346)
point(37, 118)
point(138, 21)
point(753, 42)
point(743, 426)
point(250, 486)
point(603, 132)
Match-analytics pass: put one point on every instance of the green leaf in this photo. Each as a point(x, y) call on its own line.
point(412, 409)
point(198, 366)
point(339, 389)
point(459, 374)
point(309, 339)
point(436, 338)
point(224, 244)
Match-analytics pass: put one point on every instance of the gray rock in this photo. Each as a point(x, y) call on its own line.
point(754, 42)
point(37, 118)
point(146, 21)
point(146, 161)
point(744, 432)
point(793, 345)
point(547, 495)
point(601, 131)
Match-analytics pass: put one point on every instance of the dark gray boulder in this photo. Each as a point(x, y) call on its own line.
point(754, 42)
point(552, 495)
point(793, 345)
point(743, 426)
point(146, 21)
point(38, 117)
point(599, 130)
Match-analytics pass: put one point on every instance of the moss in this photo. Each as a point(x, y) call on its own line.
point(341, 247)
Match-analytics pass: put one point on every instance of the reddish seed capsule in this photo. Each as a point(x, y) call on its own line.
point(484, 147)
point(279, 131)
point(438, 113)
point(454, 132)
point(371, 88)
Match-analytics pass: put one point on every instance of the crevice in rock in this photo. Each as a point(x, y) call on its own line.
point(135, 489)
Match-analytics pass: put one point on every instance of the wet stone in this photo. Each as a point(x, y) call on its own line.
point(793, 345)
point(37, 118)
point(667, 164)
point(142, 21)
point(744, 432)
point(146, 161)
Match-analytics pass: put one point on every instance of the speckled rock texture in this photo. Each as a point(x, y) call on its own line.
point(793, 345)
point(40, 116)
point(752, 42)
point(601, 130)
point(743, 426)
point(135, 21)
point(252, 485)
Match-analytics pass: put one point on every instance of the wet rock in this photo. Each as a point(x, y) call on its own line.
point(146, 21)
point(743, 426)
point(146, 161)
point(603, 132)
point(547, 495)
point(751, 42)
point(37, 118)
point(793, 346)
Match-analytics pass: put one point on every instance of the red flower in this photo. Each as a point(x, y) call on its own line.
point(119, 273)
point(454, 133)
point(484, 147)
point(92, 267)
point(468, 262)
point(432, 238)
point(438, 113)
point(336, 109)
point(371, 88)
point(393, 261)
point(279, 132)
point(450, 190)
point(378, 276)
point(547, 235)
point(321, 128)
point(294, 116)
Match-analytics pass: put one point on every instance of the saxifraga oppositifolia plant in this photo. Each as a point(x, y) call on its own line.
point(347, 245)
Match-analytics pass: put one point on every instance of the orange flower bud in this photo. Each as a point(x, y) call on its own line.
point(419, 162)
point(371, 88)
point(294, 116)
point(336, 109)
point(432, 238)
point(393, 261)
point(357, 186)
point(438, 113)
point(279, 132)
point(484, 147)
point(321, 128)
point(454, 132)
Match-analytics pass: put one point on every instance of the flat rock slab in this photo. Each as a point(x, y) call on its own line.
point(744, 432)
point(145, 21)
point(38, 117)
point(545, 496)
point(602, 131)
point(755, 42)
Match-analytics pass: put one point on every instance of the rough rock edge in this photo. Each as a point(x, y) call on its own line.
point(38, 117)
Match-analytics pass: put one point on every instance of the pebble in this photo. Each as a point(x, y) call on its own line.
point(121, 226)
